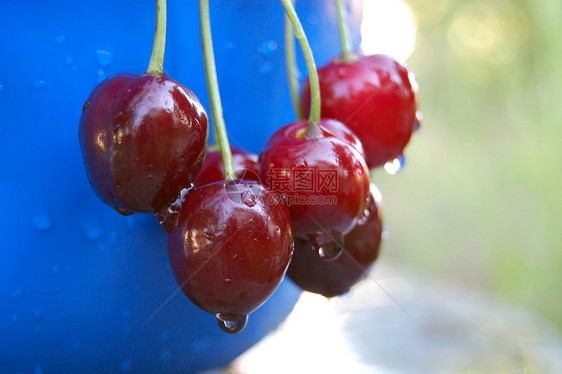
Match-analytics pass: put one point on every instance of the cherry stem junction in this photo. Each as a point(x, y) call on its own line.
point(313, 127)
point(292, 69)
point(155, 66)
point(219, 128)
point(346, 55)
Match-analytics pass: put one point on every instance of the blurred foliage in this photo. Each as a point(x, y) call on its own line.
point(479, 203)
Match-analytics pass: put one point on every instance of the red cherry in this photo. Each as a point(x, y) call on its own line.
point(334, 278)
point(375, 97)
point(324, 181)
point(143, 139)
point(212, 170)
point(231, 249)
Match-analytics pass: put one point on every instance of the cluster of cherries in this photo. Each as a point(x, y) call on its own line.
point(304, 207)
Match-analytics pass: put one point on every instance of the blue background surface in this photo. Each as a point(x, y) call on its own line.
point(83, 289)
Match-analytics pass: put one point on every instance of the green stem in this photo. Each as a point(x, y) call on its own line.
point(219, 127)
point(157, 58)
point(313, 129)
point(292, 70)
point(346, 50)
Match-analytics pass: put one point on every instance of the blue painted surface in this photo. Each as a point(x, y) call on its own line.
point(83, 289)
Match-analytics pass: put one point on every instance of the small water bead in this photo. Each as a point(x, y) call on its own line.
point(329, 246)
point(104, 57)
point(419, 120)
point(393, 167)
point(232, 327)
point(42, 220)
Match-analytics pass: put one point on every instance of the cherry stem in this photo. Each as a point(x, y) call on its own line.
point(157, 58)
point(219, 127)
point(313, 128)
point(346, 55)
point(292, 69)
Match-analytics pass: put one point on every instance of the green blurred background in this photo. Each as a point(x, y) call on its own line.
point(479, 202)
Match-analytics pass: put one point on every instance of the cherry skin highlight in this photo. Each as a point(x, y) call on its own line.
point(324, 181)
point(143, 139)
point(375, 97)
point(231, 248)
point(212, 170)
point(361, 249)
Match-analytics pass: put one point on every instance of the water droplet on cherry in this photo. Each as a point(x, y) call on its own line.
point(419, 120)
point(393, 167)
point(232, 327)
point(104, 57)
point(123, 212)
point(42, 220)
point(328, 245)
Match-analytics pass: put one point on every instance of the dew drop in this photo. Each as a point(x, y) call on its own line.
point(385, 234)
point(328, 245)
point(419, 120)
point(104, 57)
point(232, 327)
point(393, 167)
point(249, 199)
point(92, 227)
point(123, 212)
point(61, 38)
point(42, 220)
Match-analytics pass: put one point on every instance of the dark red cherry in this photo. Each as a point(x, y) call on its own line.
point(375, 97)
point(212, 170)
point(324, 181)
point(361, 249)
point(143, 139)
point(231, 248)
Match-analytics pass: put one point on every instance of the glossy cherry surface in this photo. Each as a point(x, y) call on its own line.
point(361, 249)
point(324, 181)
point(143, 139)
point(212, 170)
point(375, 97)
point(231, 248)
